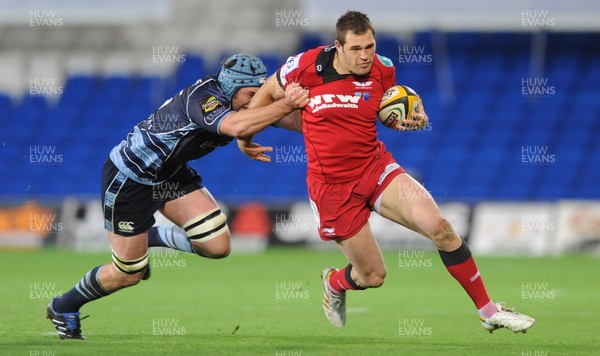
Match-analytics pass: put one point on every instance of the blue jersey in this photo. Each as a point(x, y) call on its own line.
point(184, 128)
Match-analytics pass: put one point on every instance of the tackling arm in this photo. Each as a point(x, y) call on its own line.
point(273, 91)
point(292, 122)
point(266, 95)
point(267, 106)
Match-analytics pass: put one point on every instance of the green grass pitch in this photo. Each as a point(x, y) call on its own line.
point(269, 304)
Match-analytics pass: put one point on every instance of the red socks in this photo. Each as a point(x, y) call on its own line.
point(340, 281)
point(462, 267)
point(459, 263)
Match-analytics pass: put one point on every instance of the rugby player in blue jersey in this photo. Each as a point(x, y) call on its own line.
point(154, 156)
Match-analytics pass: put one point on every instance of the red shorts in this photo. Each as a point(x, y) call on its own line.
point(342, 209)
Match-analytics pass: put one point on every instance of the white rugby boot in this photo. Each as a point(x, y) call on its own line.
point(334, 305)
point(507, 318)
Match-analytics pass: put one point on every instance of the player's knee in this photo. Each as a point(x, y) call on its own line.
point(217, 251)
point(224, 249)
point(443, 234)
point(375, 279)
point(218, 254)
point(209, 234)
point(207, 226)
point(217, 248)
point(129, 272)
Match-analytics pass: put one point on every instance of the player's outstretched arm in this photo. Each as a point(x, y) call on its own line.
point(268, 93)
point(257, 152)
point(292, 122)
point(247, 123)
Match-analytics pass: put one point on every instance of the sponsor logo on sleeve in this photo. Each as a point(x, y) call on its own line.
point(210, 104)
point(290, 65)
point(213, 109)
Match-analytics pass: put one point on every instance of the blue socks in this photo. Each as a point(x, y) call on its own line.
point(85, 291)
point(89, 288)
point(171, 236)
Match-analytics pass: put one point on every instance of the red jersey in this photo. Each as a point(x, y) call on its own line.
point(339, 123)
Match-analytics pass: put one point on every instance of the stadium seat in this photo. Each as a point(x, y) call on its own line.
point(472, 149)
point(309, 41)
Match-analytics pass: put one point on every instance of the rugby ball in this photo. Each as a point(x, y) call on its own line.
point(397, 104)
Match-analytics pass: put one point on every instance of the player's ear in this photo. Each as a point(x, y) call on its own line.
point(338, 46)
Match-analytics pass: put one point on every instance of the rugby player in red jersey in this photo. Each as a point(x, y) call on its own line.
point(350, 172)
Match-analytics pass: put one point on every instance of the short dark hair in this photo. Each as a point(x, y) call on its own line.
point(354, 21)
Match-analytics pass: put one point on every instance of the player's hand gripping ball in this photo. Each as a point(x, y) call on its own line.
point(398, 103)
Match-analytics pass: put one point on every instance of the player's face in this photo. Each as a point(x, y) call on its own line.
point(242, 98)
point(356, 55)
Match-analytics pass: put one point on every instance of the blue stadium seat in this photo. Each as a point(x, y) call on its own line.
point(5, 107)
point(194, 68)
point(272, 62)
point(388, 46)
point(472, 151)
point(515, 181)
point(310, 41)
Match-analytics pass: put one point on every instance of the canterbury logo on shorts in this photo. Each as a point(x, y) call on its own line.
point(125, 226)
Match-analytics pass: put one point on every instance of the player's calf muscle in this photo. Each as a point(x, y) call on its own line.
point(113, 279)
